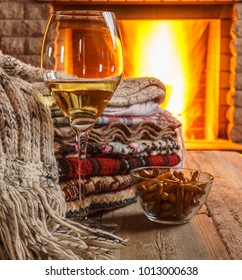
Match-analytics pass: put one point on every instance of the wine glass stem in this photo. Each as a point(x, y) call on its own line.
point(81, 139)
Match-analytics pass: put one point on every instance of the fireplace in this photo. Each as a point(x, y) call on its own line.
point(189, 48)
point(207, 36)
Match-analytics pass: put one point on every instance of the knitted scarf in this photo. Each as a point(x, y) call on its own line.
point(32, 207)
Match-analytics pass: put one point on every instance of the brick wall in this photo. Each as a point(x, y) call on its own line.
point(234, 113)
point(22, 24)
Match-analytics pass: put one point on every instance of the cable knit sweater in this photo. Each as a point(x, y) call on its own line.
point(32, 206)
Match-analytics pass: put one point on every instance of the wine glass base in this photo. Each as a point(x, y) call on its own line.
point(94, 221)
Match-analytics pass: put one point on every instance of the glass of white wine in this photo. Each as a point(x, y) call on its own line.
point(82, 64)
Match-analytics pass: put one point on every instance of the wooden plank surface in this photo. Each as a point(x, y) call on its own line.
point(214, 233)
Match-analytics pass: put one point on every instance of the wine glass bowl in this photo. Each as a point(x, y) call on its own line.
point(82, 61)
point(82, 64)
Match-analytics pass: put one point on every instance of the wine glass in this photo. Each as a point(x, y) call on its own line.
point(82, 64)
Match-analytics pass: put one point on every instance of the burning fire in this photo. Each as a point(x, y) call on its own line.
point(177, 53)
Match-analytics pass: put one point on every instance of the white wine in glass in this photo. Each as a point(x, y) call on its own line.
point(82, 65)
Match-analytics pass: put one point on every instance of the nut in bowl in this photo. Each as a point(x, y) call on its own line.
point(171, 195)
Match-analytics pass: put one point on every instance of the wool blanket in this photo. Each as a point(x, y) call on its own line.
point(101, 202)
point(119, 132)
point(140, 148)
point(102, 193)
point(138, 90)
point(148, 108)
point(95, 185)
point(68, 167)
point(163, 117)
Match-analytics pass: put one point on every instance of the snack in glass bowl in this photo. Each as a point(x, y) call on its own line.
point(171, 195)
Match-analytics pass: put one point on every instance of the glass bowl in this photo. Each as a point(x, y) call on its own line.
point(171, 195)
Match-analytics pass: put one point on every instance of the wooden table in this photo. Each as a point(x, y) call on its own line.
point(215, 233)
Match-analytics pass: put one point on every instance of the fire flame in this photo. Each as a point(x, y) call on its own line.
point(176, 52)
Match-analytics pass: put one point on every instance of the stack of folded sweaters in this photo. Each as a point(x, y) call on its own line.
point(132, 132)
